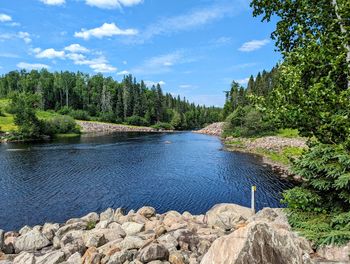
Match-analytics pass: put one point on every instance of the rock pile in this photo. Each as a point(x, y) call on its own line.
point(227, 233)
point(214, 129)
point(98, 127)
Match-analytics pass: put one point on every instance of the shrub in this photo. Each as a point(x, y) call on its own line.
point(65, 110)
point(107, 117)
point(163, 126)
point(79, 114)
point(60, 125)
point(136, 121)
point(248, 121)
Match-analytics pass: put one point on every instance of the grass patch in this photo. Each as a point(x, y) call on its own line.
point(235, 143)
point(288, 133)
point(284, 156)
point(6, 123)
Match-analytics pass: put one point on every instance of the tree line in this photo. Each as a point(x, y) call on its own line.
point(102, 98)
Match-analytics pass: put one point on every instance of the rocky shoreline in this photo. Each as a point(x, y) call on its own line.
point(227, 233)
point(99, 127)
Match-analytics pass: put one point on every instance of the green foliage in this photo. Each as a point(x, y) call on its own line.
point(24, 106)
point(321, 228)
point(304, 199)
point(90, 225)
point(136, 121)
point(80, 114)
point(60, 125)
point(108, 117)
point(163, 126)
point(288, 133)
point(248, 121)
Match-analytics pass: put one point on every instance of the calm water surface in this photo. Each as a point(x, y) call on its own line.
point(70, 177)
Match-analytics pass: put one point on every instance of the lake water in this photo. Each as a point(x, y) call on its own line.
point(68, 178)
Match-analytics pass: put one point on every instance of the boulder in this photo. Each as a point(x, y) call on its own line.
point(118, 215)
point(176, 257)
point(172, 217)
point(122, 257)
point(24, 258)
point(132, 228)
point(24, 230)
point(94, 239)
point(72, 242)
point(8, 246)
point(49, 230)
point(75, 259)
point(109, 234)
point(107, 215)
point(31, 241)
point(227, 216)
point(333, 253)
point(147, 211)
point(259, 242)
point(110, 248)
point(92, 256)
point(168, 241)
point(131, 242)
point(153, 252)
point(53, 257)
point(274, 216)
point(78, 226)
point(91, 217)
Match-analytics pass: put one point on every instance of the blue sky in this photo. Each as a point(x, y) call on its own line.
point(194, 48)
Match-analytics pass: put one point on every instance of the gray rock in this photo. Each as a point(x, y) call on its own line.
point(73, 242)
point(154, 252)
point(132, 228)
point(94, 239)
point(334, 253)
point(71, 227)
point(227, 216)
point(24, 258)
point(147, 211)
point(122, 256)
point(131, 242)
point(169, 241)
point(49, 230)
point(53, 257)
point(8, 246)
point(107, 215)
point(259, 242)
point(31, 241)
point(92, 256)
point(75, 259)
point(91, 217)
point(24, 230)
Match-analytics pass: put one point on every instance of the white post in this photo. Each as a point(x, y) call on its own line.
point(253, 199)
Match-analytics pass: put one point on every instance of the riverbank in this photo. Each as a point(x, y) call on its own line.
point(276, 151)
point(227, 233)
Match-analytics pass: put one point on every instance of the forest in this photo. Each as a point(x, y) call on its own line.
point(96, 97)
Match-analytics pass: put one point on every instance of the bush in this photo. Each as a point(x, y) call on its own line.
point(248, 121)
point(79, 114)
point(65, 110)
point(60, 125)
point(107, 117)
point(136, 121)
point(163, 126)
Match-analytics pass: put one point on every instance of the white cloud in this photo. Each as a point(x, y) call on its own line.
point(253, 45)
point(111, 4)
point(186, 86)
point(123, 73)
point(76, 48)
point(102, 67)
point(53, 2)
point(99, 64)
point(188, 21)
point(151, 83)
point(106, 30)
point(32, 66)
point(50, 54)
point(243, 81)
point(5, 18)
point(159, 64)
point(25, 36)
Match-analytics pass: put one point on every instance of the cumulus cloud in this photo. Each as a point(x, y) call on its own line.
point(32, 66)
point(243, 81)
point(106, 30)
point(25, 36)
point(111, 4)
point(76, 48)
point(99, 64)
point(50, 54)
point(253, 45)
point(123, 73)
point(5, 18)
point(186, 86)
point(53, 2)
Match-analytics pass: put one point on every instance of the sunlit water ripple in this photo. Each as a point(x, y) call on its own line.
point(71, 177)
